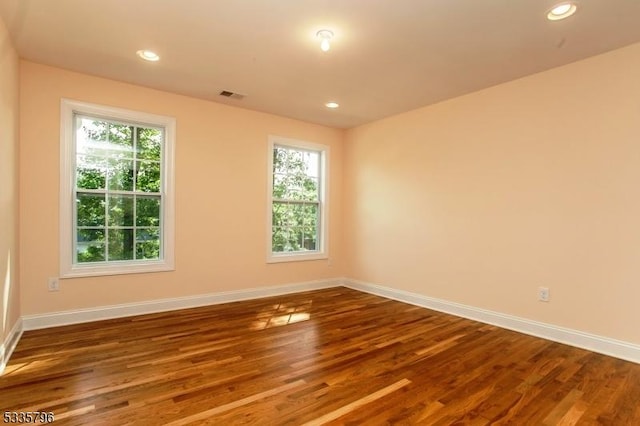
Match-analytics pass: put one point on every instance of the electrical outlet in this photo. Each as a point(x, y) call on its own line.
point(543, 294)
point(53, 284)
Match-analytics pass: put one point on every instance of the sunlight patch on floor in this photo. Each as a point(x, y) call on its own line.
point(282, 314)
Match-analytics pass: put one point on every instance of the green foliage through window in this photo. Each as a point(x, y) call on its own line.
point(296, 200)
point(118, 184)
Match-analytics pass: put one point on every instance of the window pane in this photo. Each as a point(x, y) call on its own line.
point(90, 134)
point(148, 244)
point(284, 239)
point(147, 211)
point(280, 160)
point(120, 244)
point(121, 139)
point(298, 215)
point(90, 245)
point(148, 250)
point(90, 209)
point(287, 239)
point(312, 164)
point(310, 238)
point(310, 190)
point(120, 175)
point(147, 234)
point(295, 189)
point(90, 172)
point(279, 186)
point(296, 174)
point(148, 177)
point(310, 215)
point(120, 210)
point(295, 160)
point(288, 187)
point(149, 143)
point(285, 214)
point(277, 214)
point(278, 239)
point(298, 238)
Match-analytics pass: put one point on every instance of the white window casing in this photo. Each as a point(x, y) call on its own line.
point(321, 249)
point(69, 266)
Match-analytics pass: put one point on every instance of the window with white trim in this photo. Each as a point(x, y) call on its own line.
point(116, 205)
point(297, 208)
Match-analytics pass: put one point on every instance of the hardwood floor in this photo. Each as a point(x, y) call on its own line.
point(334, 356)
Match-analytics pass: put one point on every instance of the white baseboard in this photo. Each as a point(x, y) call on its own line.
point(9, 344)
point(616, 348)
point(34, 322)
point(604, 345)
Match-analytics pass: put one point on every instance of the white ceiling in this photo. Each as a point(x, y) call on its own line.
point(387, 56)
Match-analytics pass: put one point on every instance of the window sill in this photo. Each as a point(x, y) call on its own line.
point(296, 257)
point(88, 270)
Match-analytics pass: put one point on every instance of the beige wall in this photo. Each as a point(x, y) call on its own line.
point(221, 162)
point(9, 86)
point(477, 200)
point(481, 199)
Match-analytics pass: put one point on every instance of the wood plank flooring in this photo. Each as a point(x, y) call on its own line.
point(335, 356)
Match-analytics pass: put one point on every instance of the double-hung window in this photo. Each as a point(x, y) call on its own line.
point(298, 207)
point(116, 211)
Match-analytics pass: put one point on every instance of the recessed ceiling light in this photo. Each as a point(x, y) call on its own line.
point(332, 105)
point(148, 55)
point(561, 11)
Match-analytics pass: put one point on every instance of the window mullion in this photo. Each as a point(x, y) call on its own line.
point(119, 192)
point(106, 226)
point(292, 201)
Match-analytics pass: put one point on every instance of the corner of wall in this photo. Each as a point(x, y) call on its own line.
point(10, 324)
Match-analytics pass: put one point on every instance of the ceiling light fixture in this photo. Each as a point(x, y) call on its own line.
point(325, 36)
point(148, 55)
point(332, 105)
point(561, 11)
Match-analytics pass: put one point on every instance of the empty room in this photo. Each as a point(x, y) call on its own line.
point(310, 212)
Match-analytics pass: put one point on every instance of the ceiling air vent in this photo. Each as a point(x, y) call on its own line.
point(232, 95)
